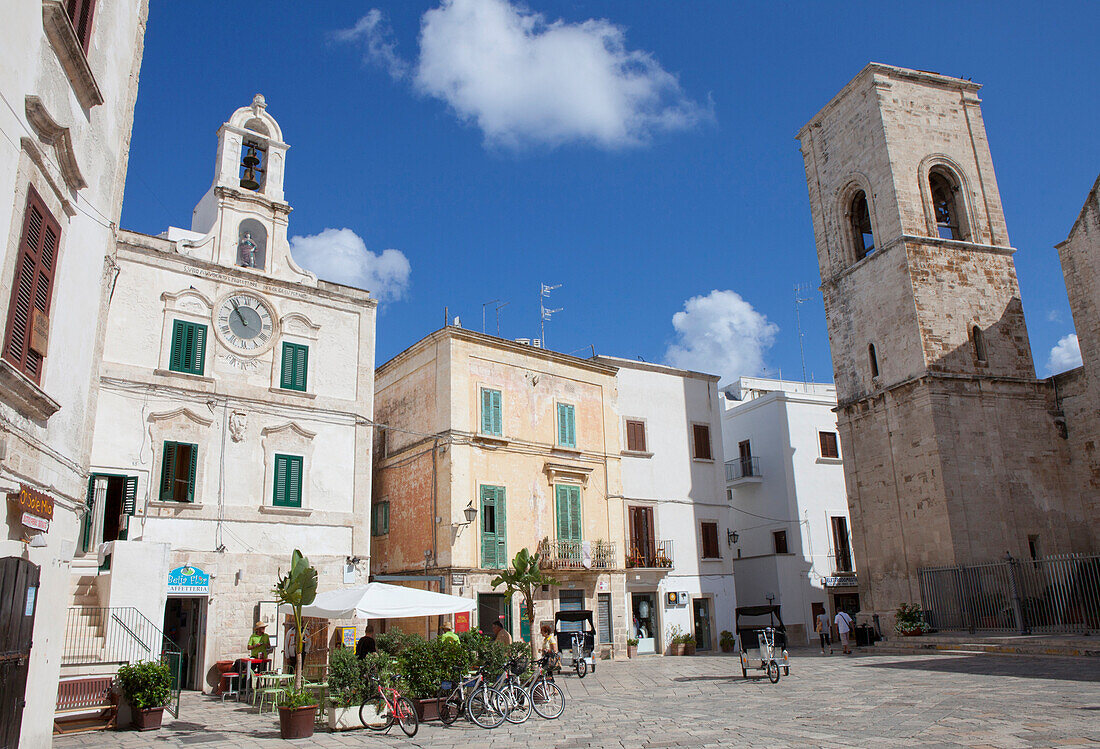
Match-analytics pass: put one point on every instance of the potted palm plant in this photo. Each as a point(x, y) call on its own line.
point(296, 589)
point(524, 577)
point(147, 686)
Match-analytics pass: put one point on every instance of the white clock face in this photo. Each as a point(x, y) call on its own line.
point(245, 323)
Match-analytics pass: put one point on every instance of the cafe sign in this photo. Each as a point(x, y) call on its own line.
point(32, 501)
point(188, 581)
point(840, 582)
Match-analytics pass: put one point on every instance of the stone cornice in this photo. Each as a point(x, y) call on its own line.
point(70, 53)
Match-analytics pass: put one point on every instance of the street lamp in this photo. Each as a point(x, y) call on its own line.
point(471, 514)
point(731, 537)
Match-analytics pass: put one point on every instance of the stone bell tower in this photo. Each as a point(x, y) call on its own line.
point(951, 445)
point(244, 213)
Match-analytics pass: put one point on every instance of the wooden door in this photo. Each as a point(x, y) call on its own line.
point(18, 602)
point(641, 534)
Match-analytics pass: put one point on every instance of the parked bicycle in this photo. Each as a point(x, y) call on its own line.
point(475, 697)
point(517, 699)
point(547, 698)
point(379, 713)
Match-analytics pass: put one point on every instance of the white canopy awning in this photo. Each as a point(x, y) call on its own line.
point(382, 601)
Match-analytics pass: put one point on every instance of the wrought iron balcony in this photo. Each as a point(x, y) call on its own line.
point(651, 557)
point(742, 470)
point(576, 555)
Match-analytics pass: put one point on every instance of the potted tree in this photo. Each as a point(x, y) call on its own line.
point(296, 589)
point(727, 641)
point(524, 577)
point(631, 647)
point(147, 686)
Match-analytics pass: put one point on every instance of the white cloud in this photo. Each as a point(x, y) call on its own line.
point(1066, 354)
point(377, 38)
point(340, 255)
point(720, 333)
point(1054, 315)
point(525, 80)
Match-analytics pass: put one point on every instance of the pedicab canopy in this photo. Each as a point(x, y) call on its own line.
point(383, 601)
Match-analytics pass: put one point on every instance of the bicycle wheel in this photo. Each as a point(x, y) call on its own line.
point(517, 702)
point(547, 699)
point(406, 716)
point(773, 672)
point(375, 714)
point(581, 665)
point(485, 707)
point(451, 708)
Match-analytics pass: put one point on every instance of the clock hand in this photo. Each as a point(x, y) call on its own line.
point(237, 309)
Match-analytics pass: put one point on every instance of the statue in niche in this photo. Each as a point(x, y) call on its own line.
point(238, 420)
point(246, 251)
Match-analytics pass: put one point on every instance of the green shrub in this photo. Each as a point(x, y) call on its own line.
point(454, 660)
point(418, 665)
point(726, 639)
point(347, 678)
point(392, 642)
point(145, 684)
point(379, 668)
point(295, 698)
point(632, 642)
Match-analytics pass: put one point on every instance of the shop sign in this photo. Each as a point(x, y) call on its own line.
point(188, 580)
point(33, 501)
point(840, 582)
point(458, 580)
point(462, 621)
point(35, 522)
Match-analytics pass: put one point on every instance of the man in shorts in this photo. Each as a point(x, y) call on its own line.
point(844, 628)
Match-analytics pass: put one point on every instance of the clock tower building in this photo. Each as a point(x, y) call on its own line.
point(233, 417)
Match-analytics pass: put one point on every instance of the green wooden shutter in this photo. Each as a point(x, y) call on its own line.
point(294, 480)
point(129, 499)
point(562, 506)
point(286, 379)
point(188, 352)
point(199, 352)
point(175, 359)
point(89, 503)
point(279, 497)
point(191, 473)
point(385, 518)
point(567, 433)
point(486, 411)
point(575, 513)
point(288, 481)
point(301, 361)
point(295, 366)
point(491, 541)
point(502, 527)
point(167, 471)
point(498, 413)
point(569, 512)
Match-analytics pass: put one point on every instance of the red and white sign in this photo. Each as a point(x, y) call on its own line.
point(35, 522)
point(462, 621)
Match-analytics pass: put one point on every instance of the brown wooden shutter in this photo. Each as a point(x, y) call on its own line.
point(80, 12)
point(32, 286)
point(702, 441)
point(710, 540)
point(829, 447)
point(635, 436)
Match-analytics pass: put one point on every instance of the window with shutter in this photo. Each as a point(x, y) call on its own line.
point(701, 433)
point(829, 445)
point(710, 540)
point(603, 617)
point(380, 519)
point(635, 436)
point(188, 352)
point(80, 12)
point(780, 540)
point(32, 289)
point(288, 481)
point(568, 512)
point(295, 366)
point(494, 526)
point(567, 428)
point(177, 473)
point(492, 417)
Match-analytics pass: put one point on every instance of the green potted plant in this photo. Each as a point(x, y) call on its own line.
point(690, 642)
point(147, 686)
point(631, 647)
point(296, 589)
point(347, 687)
point(909, 620)
point(727, 641)
point(676, 640)
point(419, 668)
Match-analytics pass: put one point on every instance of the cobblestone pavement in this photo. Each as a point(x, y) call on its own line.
point(835, 701)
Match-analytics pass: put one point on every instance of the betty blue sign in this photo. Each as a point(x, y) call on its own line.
point(188, 581)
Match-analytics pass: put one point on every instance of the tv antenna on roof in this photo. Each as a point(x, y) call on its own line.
point(544, 312)
point(800, 290)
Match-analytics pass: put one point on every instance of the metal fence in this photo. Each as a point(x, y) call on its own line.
point(577, 555)
point(1056, 594)
point(103, 636)
point(742, 468)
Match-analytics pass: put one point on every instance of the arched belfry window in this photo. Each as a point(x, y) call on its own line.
point(946, 204)
point(863, 238)
point(252, 244)
point(872, 359)
point(978, 338)
point(253, 163)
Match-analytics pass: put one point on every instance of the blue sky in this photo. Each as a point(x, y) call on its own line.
point(688, 182)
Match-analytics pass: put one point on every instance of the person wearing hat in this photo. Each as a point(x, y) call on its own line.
point(259, 644)
point(446, 632)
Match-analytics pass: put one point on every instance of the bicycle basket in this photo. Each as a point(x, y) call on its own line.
point(446, 686)
point(517, 667)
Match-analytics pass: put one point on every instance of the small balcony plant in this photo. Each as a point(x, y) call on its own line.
point(147, 686)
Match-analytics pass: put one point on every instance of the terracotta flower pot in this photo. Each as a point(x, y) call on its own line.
point(689, 648)
point(147, 719)
point(427, 709)
point(727, 648)
point(676, 648)
point(631, 651)
point(296, 722)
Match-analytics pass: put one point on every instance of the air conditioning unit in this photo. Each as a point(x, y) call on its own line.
point(524, 341)
point(536, 343)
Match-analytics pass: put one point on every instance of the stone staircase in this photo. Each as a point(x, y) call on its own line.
point(963, 643)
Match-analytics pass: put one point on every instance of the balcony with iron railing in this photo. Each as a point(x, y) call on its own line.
point(652, 556)
point(743, 471)
point(576, 555)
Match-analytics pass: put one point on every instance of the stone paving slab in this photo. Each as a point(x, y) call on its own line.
point(866, 700)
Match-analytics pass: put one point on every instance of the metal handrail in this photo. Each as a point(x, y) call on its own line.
point(742, 468)
point(569, 555)
point(658, 556)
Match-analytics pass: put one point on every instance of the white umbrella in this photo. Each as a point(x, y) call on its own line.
point(382, 601)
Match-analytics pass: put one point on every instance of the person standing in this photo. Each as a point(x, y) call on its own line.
point(500, 634)
point(366, 644)
point(844, 629)
point(821, 626)
point(447, 633)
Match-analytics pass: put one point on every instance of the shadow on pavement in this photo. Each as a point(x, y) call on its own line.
point(1060, 669)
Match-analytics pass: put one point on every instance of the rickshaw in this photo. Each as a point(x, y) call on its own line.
point(575, 647)
point(763, 646)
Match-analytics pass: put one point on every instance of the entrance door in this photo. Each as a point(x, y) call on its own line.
point(185, 625)
point(701, 608)
point(645, 627)
point(847, 602)
point(18, 602)
point(642, 545)
point(745, 450)
point(491, 607)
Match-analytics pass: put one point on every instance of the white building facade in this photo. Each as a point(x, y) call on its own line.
point(233, 423)
point(68, 76)
point(679, 556)
point(785, 479)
